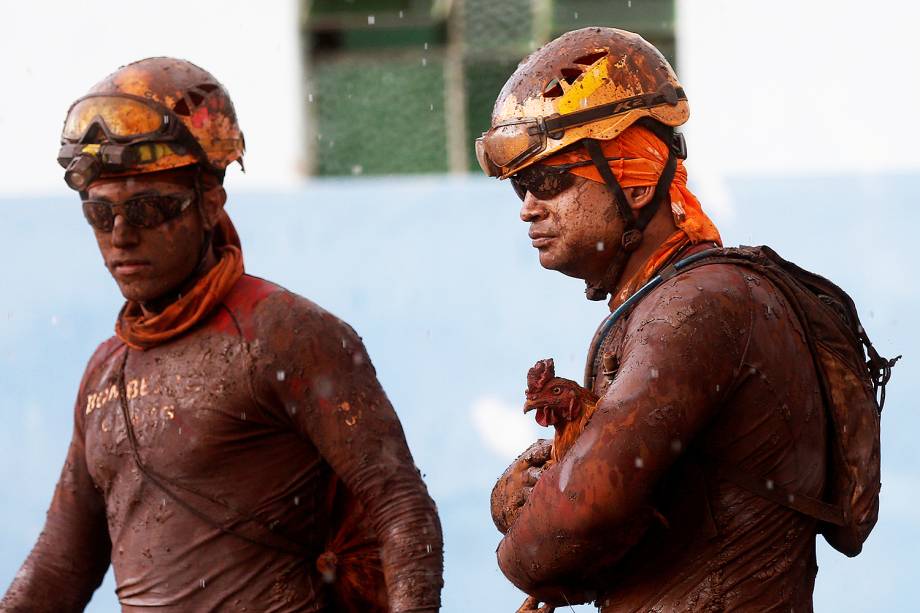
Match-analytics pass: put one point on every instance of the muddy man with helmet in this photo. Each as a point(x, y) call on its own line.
point(232, 448)
point(731, 397)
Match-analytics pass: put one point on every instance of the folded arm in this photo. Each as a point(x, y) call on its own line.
point(683, 347)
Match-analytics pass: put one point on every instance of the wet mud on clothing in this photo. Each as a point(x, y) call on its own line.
point(254, 411)
point(712, 367)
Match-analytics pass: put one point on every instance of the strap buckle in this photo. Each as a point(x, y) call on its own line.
point(679, 145)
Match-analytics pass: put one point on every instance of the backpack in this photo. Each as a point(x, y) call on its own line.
point(852, 377)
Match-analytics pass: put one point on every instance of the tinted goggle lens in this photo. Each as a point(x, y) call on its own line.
point(507, 145)
point(544, 182)
point(122, 118)
point(140, 212)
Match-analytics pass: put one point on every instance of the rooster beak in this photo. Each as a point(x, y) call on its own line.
point(528, 407)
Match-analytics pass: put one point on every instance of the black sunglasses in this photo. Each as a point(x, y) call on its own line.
point(545, 182)
point(140, 211)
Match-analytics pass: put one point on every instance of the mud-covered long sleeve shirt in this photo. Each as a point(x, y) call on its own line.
point(711, 369)
point(248, 416)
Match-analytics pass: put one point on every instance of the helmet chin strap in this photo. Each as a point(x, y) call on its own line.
point(633, 225)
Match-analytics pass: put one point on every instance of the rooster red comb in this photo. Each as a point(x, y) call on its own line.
point(540, 374)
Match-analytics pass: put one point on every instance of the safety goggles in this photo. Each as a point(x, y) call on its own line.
point(546, 182)
point(509, 144)
point(146, 211)
point(122, 118)
point(116, 133)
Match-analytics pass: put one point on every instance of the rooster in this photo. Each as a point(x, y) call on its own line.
point(561, 403)
point(567, 406)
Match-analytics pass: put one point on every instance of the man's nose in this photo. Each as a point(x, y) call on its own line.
point(532, 209)
point(123, 234)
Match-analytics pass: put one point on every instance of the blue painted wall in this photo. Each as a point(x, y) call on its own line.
point(439, 278)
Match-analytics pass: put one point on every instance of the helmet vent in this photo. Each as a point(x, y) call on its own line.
point(553, 89)
point(206, 87)
point(181, 108)
point(591, 58)
point(195, 97)
point(570, 74)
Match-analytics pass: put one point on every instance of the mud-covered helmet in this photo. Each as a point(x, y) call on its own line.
point(153, 114)
point(591, 83)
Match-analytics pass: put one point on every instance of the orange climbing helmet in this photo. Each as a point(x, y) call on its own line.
point(154, 114)
point(591, 83)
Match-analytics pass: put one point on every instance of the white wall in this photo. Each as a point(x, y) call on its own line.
point(52, 52)
point(797, 88)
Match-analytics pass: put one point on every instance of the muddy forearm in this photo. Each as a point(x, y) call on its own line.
point(552, 567)
point(407, 525)
point(56, 578)
point(72, 553)
point(374, 461)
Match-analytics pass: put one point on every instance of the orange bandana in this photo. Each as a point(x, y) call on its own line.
point(645, 159)
point(141, 332)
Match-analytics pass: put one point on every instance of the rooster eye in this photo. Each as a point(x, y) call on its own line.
point(557, 390)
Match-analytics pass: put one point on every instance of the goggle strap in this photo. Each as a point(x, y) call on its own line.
point(669, 95)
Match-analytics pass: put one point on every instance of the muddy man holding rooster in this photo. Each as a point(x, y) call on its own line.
point(698, 385)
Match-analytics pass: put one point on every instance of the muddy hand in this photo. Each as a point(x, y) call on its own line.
point(532, 605)
point(514, 486)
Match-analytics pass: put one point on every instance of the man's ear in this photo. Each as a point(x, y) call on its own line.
point(212, 203)
point(638, 197)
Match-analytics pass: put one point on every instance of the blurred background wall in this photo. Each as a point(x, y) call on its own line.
point(360, 193)
point(425, 73)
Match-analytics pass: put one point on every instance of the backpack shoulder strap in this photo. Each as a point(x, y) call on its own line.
point(769, 489)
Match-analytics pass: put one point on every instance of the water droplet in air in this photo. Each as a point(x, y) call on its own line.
point(600, 245)
point(639, 462)
point(357, 169)
point(769, 484)
point(202, 583)
point(424, 61)
point(653, 373)
point(54, 320)
point(371, 19)
point(676, 446)
point(296, 500)
point(280, 374)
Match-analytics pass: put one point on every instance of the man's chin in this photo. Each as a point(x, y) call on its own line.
point(549, 262)
point(139, 291)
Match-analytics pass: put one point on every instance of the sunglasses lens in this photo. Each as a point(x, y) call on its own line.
point(147, 211)
point(544, 182)
point(519, 188)
point(99, 215)
point(140, 212)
